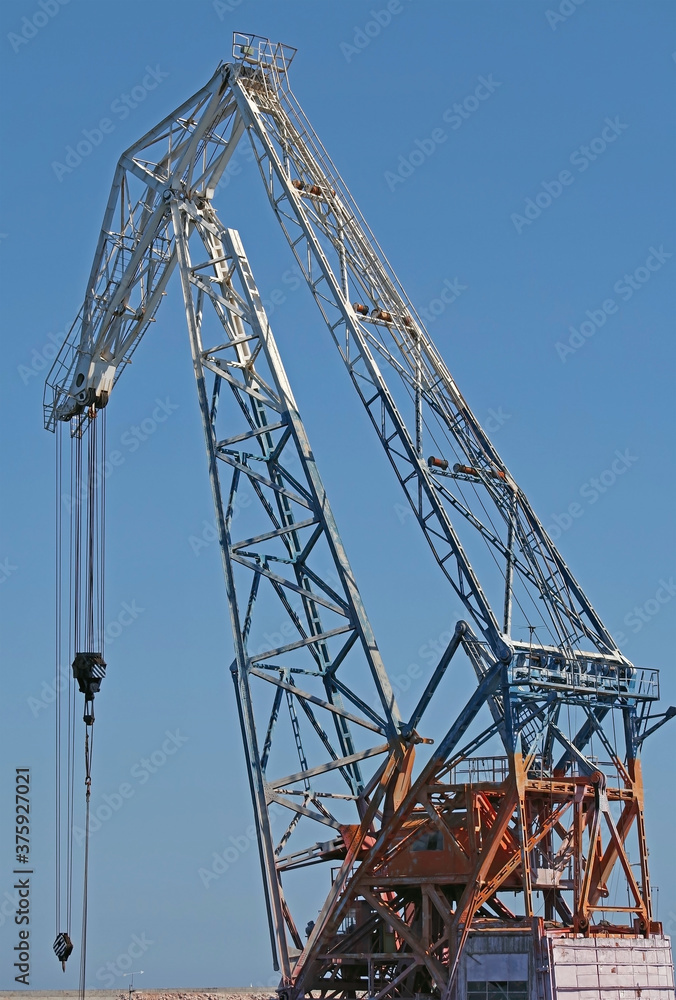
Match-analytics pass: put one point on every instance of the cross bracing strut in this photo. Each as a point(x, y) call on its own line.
point(342, 261)
point(331, 241)
point(190, 150)
point(288, 491)
point(327, 751)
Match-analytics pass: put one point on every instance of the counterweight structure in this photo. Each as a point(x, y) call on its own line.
point(438, 872)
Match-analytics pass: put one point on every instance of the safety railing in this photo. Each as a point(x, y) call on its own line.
point(584, 673)
point(473, 770)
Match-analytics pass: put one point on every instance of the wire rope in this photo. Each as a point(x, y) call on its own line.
point(489, 546)
point(57, 677)
point(79, 634)
point(89, 747)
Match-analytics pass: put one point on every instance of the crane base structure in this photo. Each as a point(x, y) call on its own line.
point(423, 907)
point(512, 862)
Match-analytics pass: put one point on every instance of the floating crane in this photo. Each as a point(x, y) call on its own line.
point(436, 870)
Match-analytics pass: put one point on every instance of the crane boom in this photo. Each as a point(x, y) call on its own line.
point(326, 617)
point(341, 259)
point(546, 815)
point(340, 256)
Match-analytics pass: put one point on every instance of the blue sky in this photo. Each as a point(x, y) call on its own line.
point(546, 204)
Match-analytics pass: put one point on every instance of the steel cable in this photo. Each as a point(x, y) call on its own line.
point(79, 630)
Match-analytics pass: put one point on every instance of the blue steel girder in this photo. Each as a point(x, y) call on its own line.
point(293, 560)
point(184, 158)
point(188, 153)
point(341, 261)
point(339, 256)
point(135, 254)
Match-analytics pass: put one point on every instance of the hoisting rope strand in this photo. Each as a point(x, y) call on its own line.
point(89, 746)
point(79, 642)
point(57, 678)
point(73, 618)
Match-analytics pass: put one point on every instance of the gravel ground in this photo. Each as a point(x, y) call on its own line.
point(215, 993)
point(223, 994)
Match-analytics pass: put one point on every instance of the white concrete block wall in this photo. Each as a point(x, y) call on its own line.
point(611, 969)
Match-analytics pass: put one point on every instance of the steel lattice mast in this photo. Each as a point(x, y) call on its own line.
point(423, 861)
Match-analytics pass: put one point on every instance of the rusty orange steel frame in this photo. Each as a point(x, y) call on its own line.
point(454, 844)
